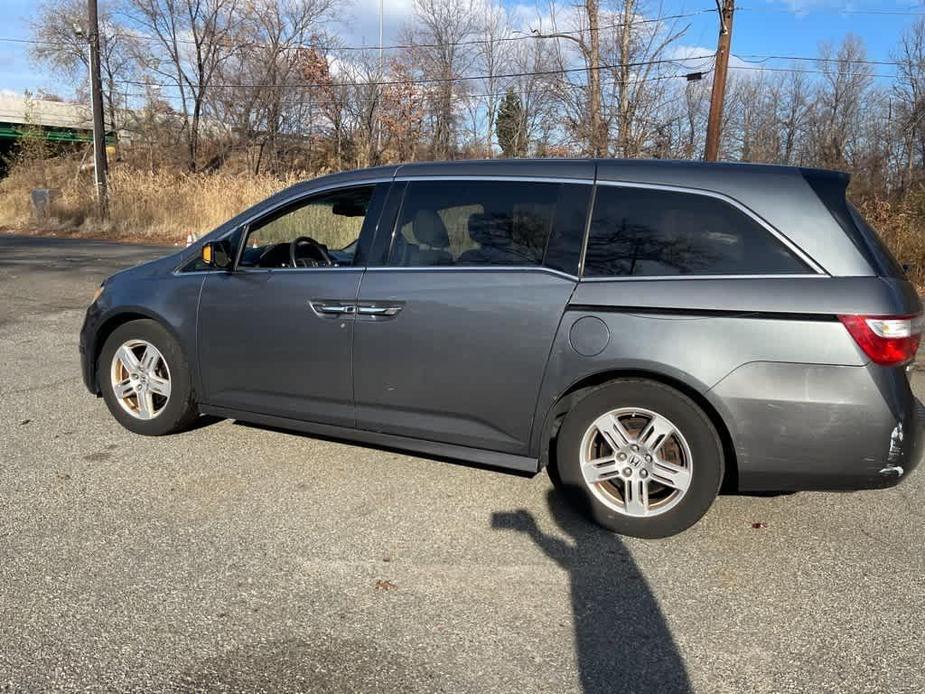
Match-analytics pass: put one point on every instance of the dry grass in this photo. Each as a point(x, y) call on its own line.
point(162, 207)
point(900, 223)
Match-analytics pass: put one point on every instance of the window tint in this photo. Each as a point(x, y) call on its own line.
point(476, 223)
point(637, 232)
point(563, 252)
point(332, 221)
point(887, 264)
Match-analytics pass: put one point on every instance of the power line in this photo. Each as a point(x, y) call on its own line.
point(422, 81)
point(858, 61)
point(498, 94)
point(831, 10)
point(9, 39)
point(752, 57)
point(464, 95)
point(816, 71)
point(517, 36)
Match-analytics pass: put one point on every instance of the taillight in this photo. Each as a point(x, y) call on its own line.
point(887, 340)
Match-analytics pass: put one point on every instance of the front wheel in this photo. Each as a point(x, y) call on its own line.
point(145, 380)
point(641, 458)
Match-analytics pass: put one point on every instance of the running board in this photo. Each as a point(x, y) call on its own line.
point(481, 456)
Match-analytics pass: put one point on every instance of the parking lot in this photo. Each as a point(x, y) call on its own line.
point(238, 558)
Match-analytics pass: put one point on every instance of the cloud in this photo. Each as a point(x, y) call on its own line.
point(700, 58)
point(359, 25)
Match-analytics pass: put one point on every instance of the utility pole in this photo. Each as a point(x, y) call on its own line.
point(379, 89)
point(723, 46)
point(96, 101)
point(598, 127)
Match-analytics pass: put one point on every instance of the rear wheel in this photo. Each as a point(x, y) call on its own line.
point(640, 457)
point(145, 380)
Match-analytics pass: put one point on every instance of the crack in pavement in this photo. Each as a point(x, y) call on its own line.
point(41, 386)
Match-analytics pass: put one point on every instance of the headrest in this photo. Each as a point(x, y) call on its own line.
point(429, 229)
point(488, 229)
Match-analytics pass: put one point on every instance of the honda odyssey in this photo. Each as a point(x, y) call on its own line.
point(646, 330)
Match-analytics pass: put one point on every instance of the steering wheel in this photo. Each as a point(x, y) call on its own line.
point(317, 253)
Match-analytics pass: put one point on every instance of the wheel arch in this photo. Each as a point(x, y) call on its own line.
point(578, 390)
point(119, 318)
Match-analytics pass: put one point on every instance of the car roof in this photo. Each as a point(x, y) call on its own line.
point(690, 172)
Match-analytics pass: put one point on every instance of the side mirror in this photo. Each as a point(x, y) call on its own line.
point(217, 254)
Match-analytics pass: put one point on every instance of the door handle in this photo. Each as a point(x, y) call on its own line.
point(378, 310)
point(326, 308)
point(335, 309)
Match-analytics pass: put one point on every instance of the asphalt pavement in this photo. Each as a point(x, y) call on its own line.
point(235, 558)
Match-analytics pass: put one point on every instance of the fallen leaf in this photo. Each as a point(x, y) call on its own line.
point(385, 585)
point(759, 525)
point(25, 421)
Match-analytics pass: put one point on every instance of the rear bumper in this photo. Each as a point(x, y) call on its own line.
point(820, 427)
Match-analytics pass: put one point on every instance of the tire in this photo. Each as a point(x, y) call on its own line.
point(691, 456)
point(167, 414)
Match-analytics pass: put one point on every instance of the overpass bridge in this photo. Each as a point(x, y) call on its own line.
point(54, 121)
point(59, 121)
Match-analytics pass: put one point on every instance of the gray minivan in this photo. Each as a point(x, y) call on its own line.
point(646, 330)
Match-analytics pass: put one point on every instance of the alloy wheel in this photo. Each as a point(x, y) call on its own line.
point(140, 379)
point(636, 462)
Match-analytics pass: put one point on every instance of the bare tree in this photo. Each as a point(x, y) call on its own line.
point(493, 58)
point(588, 118)
point(909, 93)
point(846, 80)
point(273, 37)
point(635, 66)
point(792, 110)
point(60, 47)
point(191, 41)
point(404, 107)
point(533, 62)
point(442, 28)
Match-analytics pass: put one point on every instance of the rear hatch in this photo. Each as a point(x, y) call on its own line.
point(831, 187)
point(888, 339)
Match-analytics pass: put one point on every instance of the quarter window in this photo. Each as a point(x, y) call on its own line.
point(486, 223)
point(638, 232)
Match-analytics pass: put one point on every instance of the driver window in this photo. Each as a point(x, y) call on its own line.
point(321, 231)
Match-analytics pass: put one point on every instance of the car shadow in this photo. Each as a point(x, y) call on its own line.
point(386, 449)
point(729, 486)
point(622, 641)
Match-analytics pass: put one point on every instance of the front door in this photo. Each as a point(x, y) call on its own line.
point(276, 334)
point(454, 330)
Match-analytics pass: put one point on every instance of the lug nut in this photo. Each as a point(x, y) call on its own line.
point(621, 456)
point(643, 473)
point(648, 458)
point(627, 472)
point(635, 447)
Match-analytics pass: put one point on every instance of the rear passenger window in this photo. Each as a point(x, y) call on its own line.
point(638, 232)
point(489, 223)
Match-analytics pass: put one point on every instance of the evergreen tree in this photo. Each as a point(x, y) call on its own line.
point(510, 126)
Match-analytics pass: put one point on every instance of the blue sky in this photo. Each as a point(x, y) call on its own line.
point(764, 27)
